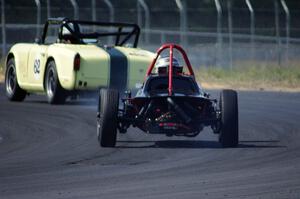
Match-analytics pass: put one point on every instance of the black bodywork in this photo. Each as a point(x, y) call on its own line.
point(184, 113)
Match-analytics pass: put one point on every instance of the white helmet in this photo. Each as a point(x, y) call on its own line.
point(163, 63)
point(67, 36)
point(66, 31)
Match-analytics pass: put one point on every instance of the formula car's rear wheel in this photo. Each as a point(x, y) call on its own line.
point(108, 121)
point(229, 134)
point(13, 90)
point(55, 93)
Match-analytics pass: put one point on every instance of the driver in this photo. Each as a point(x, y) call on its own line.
point(67, 37)
point(162, 65)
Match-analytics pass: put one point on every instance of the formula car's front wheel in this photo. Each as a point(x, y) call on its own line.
point(108, 118)
point(13, 90)
point(55, 93)
point(229, 134)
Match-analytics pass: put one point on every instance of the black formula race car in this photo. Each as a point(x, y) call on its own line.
point(169, 102)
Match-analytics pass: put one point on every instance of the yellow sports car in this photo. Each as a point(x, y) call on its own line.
point(73, 56)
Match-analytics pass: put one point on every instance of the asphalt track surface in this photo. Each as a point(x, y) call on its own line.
point(52, 152)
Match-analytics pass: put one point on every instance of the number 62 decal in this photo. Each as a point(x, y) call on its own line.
point(36, 66)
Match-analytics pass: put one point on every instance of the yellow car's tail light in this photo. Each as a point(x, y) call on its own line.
point(77, 62)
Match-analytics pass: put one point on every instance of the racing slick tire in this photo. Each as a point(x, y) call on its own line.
point(55, 93)
point(12, 88)
point(229, 134)
point(108, 121)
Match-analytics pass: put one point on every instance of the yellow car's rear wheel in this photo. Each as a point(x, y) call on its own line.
point(55, 93)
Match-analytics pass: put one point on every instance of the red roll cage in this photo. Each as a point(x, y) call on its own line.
point(170, 73)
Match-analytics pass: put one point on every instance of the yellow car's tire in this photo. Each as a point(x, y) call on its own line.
point(55, 93)
point(12, 88)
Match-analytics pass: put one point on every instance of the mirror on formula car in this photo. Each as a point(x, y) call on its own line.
point(127, 94)
point(206, 94)
point(138, 85)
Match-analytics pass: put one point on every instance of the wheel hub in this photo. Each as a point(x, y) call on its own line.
point(11, 80)
point(50, 83)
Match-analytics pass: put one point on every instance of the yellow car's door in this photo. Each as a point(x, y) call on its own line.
point(36, 66)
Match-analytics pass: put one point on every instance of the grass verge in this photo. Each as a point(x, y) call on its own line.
point(273, 78)
point(265, 77)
